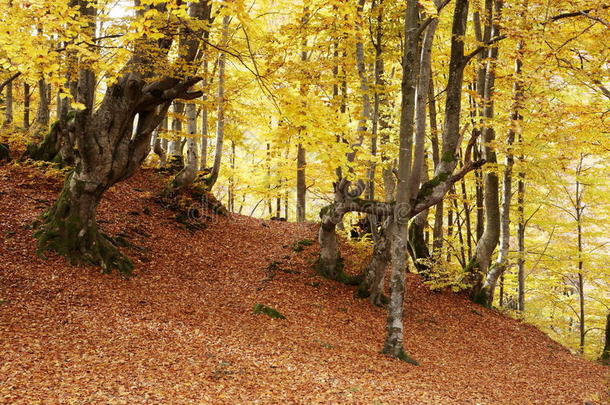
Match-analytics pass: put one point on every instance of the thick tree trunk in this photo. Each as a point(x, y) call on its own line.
point(329, 263)
point(56, 146)
point(70, 227)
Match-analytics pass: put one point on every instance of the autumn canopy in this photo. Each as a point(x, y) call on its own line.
point(403, 155)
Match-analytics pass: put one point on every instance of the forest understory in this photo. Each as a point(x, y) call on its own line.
point(182, 330)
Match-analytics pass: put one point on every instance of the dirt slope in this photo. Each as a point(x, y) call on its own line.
point(182, 330)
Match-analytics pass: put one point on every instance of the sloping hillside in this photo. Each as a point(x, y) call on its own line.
point(182, 330)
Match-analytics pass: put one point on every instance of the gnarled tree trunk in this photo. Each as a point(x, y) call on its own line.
point(330, 263)
point(109, 151)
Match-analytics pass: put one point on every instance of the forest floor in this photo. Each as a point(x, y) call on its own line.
point(182, 330)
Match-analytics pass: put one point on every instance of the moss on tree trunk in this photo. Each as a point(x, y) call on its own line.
point(69, 228)
point(55, 147)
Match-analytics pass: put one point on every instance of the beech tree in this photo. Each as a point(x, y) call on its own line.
point(109, 148)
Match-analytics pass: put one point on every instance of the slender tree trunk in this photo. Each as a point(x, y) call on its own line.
point(160, 144)
point(26, 105)
point(393, 345)
point(521, 238)
point(437, 232)
point(479, 266)
point(8, 104)
point(417, 244)
point(204, 119)
point(301, 187)
point(605, 357)
point(220, 118)
point(231, 194)
point(301, 153)
point(43, 112)
point(502, 261)
point(186, 176)
point(579, 208)
point(175, 159)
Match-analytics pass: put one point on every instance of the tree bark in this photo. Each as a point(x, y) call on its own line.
point(204, 121)
point(160, 144)
point(417, 245)
point(43, 113)
point(502, 262)
point(175, 158)
point(8, 104)
point(437, 232)
point(479, 265)
point(69, 227)
point(372, 285)
point(521, 238)
point(186, 176)
point(605, 357)
point(393, 345)
point(301, 186)
point(26, 105)
point(220, 116)
point(329, 263)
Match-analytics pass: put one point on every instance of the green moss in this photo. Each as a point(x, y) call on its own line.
point(63, 231)
point(265, 310)
point(403, 356)
point(326, 210)
point(363, 291)
point(335, 272)
point(301, 244)
point(427, 188)
point(481, 296)
point(448, 157)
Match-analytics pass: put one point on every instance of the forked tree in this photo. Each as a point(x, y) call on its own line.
point(110, 142)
